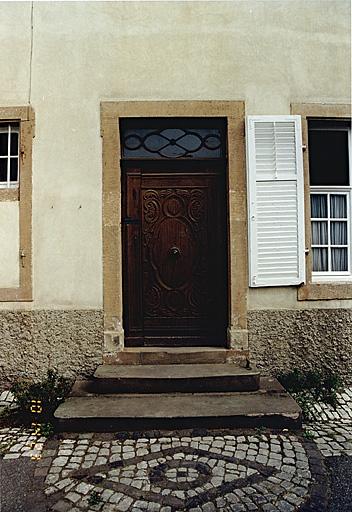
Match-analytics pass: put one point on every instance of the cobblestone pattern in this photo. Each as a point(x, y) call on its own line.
point(343, 412)
point(268, 472)
point(332, 439)
point(16, 442)
point(6, 399)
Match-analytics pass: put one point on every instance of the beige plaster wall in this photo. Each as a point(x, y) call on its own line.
point(9, 244)
point(268, 53)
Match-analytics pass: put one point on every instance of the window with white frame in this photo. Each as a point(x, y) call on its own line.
point(9, 155)
point(330, 196)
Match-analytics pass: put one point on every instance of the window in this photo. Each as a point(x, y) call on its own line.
point(17, 126)
point(330, 197)
point(9, 155)
point(160, 138)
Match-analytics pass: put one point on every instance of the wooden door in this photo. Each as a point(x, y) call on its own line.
point(175, 265)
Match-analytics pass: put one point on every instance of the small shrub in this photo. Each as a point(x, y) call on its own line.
point(49, 393)
point(311, 387)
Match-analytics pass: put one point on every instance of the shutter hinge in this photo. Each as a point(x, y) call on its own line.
point(304, 147)
point(306, 251)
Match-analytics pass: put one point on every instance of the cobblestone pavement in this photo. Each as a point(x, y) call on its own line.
point(332, 439)
point(16, 442)
point(322, 413)
point(227, 472)
point(6, 398)
point(195, 471)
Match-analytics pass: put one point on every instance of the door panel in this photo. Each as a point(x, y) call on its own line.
point(175, 258)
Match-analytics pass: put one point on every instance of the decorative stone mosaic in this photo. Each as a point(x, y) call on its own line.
point(196, 473)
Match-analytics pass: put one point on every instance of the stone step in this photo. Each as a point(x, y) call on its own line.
point(176, 355)
point(195, 378)
point(270, 407)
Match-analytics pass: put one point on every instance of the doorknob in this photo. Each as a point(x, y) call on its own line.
point(175, 251)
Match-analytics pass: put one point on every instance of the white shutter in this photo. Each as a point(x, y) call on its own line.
point(275, 200)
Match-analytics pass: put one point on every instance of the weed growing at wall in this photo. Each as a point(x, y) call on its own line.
point(310, 387)
point(49, 392)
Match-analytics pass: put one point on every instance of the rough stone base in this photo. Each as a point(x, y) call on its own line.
point(33, 341)
point(305, 339)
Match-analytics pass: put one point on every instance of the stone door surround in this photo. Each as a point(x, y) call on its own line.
point(111, 113)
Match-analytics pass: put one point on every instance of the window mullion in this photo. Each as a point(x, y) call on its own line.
point(349, 229)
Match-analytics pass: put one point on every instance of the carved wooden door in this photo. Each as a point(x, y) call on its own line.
point(175, 257)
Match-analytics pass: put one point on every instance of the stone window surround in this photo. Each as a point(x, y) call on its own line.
point(24, 115)
point(234, 112)
point(313, 290)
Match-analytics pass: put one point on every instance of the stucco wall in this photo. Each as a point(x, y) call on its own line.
point(267, 53)
point(308, 339)
point(9, 244)
point(33, 341)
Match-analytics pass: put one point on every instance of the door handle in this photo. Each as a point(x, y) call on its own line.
point(175, 251)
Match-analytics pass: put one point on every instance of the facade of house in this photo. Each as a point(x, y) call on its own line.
point(160, 167)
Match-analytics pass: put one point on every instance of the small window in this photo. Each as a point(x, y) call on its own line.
point(9, 155)
point(329, 167)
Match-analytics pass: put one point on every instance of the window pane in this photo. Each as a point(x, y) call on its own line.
point(339, 260)
point(3, 169)
point(173, 138)
point(338, 233)
point(14, 144)
point(328, 157)
point(319, 233)
point(3, 144)
point(319, 206)
point(320, 260)
point(338, 206)
point(14, 169)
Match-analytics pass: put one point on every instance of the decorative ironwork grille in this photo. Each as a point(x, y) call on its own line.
point(171, 138)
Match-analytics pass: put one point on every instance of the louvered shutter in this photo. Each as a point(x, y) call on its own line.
point(275, 200)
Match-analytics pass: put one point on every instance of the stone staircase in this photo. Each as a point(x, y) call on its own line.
point(173, 394)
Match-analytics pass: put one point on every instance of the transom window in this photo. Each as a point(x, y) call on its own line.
point(329, 167)
point(9, 155)
point(162, 138)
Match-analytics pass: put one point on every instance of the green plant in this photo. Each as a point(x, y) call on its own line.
point(311, 387)
point(46, 395)
point(47, 429)
point(259, 430)
point(308, 434)
point(94, 498)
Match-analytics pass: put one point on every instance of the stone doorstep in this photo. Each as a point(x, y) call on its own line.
point(269, 407)
point(197, 378)
point(179, 355)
